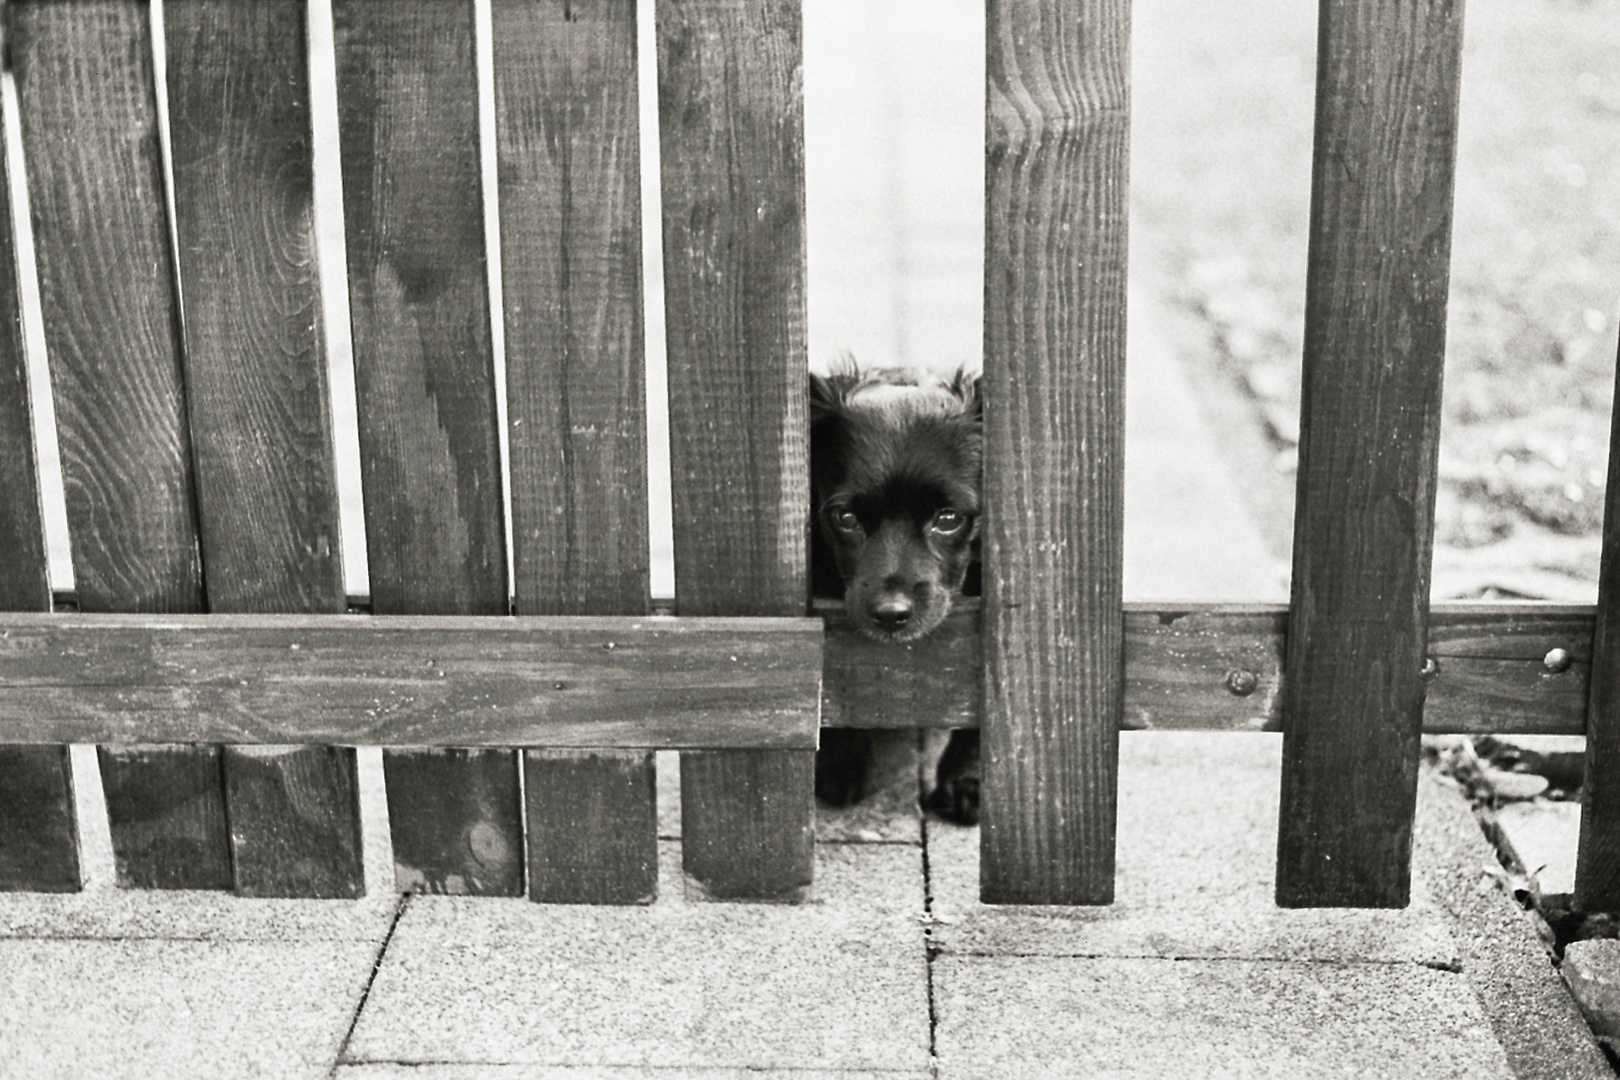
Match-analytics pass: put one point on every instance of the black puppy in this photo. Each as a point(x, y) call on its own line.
point(895, 460)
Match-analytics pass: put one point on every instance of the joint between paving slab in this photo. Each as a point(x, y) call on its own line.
point(930, 952)
point(342, 1057)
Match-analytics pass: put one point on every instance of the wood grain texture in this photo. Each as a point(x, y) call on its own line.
point(1597, 856)
point(1380, 234)
point(255, 363)
point(256, 378)
point(419, 306)
point(455, 819)
point(731, 136)
point(412, 680)
point(593, 835)
point(39, 841)
point(166, 807)
point(570, 196)
point(1057, 137)
point(284, 842)
point(1219, 667)
point(88, 101)
point(24, 583)
point(425, 384)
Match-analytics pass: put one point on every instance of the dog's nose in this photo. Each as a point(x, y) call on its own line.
point(891, 612)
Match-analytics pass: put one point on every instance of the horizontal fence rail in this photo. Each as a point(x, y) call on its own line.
point(399, 681)
point(667, 683)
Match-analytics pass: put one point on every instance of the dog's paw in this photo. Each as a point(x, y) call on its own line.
point(842, 765)
point(956, 788)
point(956, 800)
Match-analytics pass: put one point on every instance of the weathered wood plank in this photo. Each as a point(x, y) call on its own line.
point(419, 306)
point(1386, 115)
point(167, 811)
point(256, 375)
point(1057, 137)
point(1597, 856)
point(112, 335)
point(731, 133)
point(425, 387)
point(455, 819)
point(570, 196)
point(39, 842)
point(299, 847)
point(593, 835)
point(569, 151)
point(412, 680)
point(1219, 667)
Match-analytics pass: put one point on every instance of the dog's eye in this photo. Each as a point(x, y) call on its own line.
point(845, 521)
point(950, 521)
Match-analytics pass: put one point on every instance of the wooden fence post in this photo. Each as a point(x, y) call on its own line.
point(425, 390)
point(1597, 859)
point(260, 417)
point(1057, 140)
point(731, 133)
point(570, 193)
point(88, 102)
point(1380, 238)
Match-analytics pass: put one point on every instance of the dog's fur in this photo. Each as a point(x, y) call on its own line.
point(895, 458)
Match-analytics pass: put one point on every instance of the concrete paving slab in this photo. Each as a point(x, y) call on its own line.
point(837, 983)
point(1196, 874)
point(171, 1010)
point(1036, 1017)
point(393, 1071)
point(1503, 957)
point(1544, 835)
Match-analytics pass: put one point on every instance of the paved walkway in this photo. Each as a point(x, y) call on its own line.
point(893, 969)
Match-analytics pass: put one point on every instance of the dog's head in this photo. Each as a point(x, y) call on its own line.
point(895, 468)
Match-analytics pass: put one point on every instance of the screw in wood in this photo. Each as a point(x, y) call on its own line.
point(1557, 660)
point(1242, 683)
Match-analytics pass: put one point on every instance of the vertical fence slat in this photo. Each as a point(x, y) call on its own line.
point(1057, 136)
point(425, 384)
point(732, 144)
point(594, 826)
point(1386, 101)
point(256, 377)
point(87, 98)
point(39, 842)
point(1597, 858)
point(567, 139)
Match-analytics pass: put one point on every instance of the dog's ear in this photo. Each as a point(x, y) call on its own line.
point(969, 386)
point(825, 400)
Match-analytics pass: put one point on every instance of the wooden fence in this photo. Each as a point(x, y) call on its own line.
point(209, 654)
